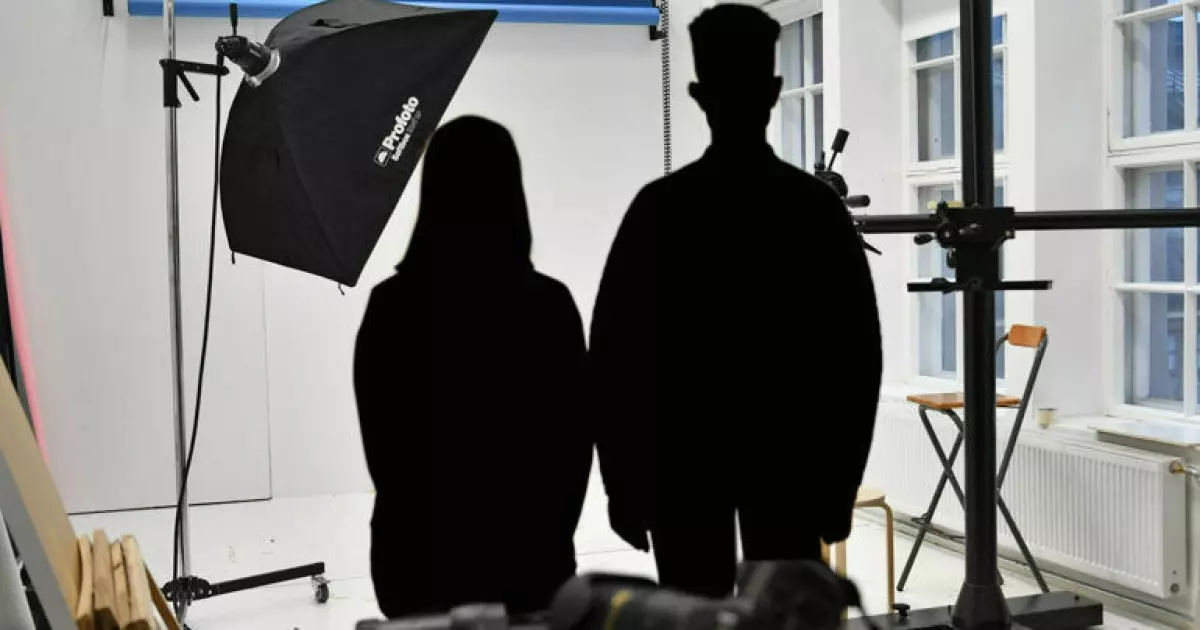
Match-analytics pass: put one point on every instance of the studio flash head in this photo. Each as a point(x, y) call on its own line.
point(256, 60)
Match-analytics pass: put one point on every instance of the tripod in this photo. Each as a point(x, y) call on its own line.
point(973, 236)
point(189, 588)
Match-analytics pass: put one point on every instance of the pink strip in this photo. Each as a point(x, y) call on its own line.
point(17, 310)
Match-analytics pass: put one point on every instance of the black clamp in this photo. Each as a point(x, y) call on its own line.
point(657, 33)
point(175, 72)
point(972, 238)
point(108, 8)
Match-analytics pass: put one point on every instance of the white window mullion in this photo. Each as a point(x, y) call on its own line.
point(1189, 299)
point(960, 361)
point(958, 136)
point(1189, 67)
point(811, 150)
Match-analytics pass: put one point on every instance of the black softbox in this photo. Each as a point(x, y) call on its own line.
point(316, 157)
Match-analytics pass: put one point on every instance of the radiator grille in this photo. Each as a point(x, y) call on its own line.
point(1112, 513)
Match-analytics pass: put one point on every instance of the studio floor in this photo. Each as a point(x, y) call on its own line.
point(235, 540)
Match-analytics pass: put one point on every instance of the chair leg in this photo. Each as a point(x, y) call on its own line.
point(889, 520)
point(840, 552)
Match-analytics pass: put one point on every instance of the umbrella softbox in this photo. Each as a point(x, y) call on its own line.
point(318, 155)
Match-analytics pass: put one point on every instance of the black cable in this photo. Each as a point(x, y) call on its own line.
point(182, 593)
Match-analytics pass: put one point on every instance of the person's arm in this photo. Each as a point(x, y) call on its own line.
point(373, 385)
point(621, 365)
point(851, 351)
point(568, 364)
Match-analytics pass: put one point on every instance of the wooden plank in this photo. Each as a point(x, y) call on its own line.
point(140, 615)
point(102, 582)
point(120, 585)
point(161, 603)
point(85, 615)
point(34, 513)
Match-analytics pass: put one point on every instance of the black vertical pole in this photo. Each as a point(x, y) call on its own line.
point(981, 603)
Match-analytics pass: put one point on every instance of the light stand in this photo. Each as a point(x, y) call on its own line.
point(973, 236)
point(188, 588)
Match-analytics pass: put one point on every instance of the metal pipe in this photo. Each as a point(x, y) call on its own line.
point(981, 602)
point(181, 602)
point(1042, 221)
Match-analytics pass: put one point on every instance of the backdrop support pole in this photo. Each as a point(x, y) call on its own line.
point(981, 604)
point(181, 537)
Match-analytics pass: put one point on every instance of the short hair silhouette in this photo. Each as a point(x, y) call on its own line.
point(473, 214)
point(733, 42)
point(734, 46)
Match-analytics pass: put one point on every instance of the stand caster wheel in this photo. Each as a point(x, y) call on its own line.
point(320, 589)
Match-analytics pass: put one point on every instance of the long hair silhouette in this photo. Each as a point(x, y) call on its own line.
point(473, 215)
point(468, 373)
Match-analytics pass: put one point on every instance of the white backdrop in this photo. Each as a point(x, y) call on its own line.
point(81, 148)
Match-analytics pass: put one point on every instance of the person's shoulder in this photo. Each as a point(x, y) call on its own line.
point(808, 190)
point(549, 288)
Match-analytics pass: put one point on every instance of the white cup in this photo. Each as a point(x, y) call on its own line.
point(1045, 417)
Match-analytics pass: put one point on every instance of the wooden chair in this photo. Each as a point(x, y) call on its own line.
point(869, 498)
point(1032, 337)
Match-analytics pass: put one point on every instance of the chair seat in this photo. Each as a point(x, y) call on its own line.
point(948, 402)
point(869, 497)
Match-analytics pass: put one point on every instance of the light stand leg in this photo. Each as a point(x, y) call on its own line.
point(181, 604)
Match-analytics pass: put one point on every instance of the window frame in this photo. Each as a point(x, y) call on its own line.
point(1170, 149)
point(1116, 18)
point(1186, 158)
point(913, 164)
point(803, 12)
point(920, 174)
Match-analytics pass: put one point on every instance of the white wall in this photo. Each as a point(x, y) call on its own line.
point(858, 35)
point(81, 142)
point(1070, 146)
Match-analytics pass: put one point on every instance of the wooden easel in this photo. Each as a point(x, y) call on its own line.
point(81, 582)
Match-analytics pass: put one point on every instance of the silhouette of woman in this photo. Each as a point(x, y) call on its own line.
point(467, 368)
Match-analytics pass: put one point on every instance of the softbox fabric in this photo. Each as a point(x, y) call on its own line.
point(316, 158)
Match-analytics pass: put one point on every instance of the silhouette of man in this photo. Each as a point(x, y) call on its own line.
point(735, 341)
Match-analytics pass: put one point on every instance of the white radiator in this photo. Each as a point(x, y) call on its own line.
point(1112, 513)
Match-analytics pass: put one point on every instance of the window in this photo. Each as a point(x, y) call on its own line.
point(1155, 92)
point(802, 63)
point(939, 328)
point(1158, 289)
point(935, 175)
point(935, 77)
point(1155, 151)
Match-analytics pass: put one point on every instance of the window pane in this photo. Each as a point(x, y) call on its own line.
point(935, 46)
point(931, 258)
point(792, 125)
point(999, 28)
point(819, 123)
point(998, 100)
point(818, 50)
point(1154, 255)
point(1138, 5)
point(791, 56)
point(936, 108)
point(1153, 76)
point(939, 312)
point(1000, 321)
point(1154, 350)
